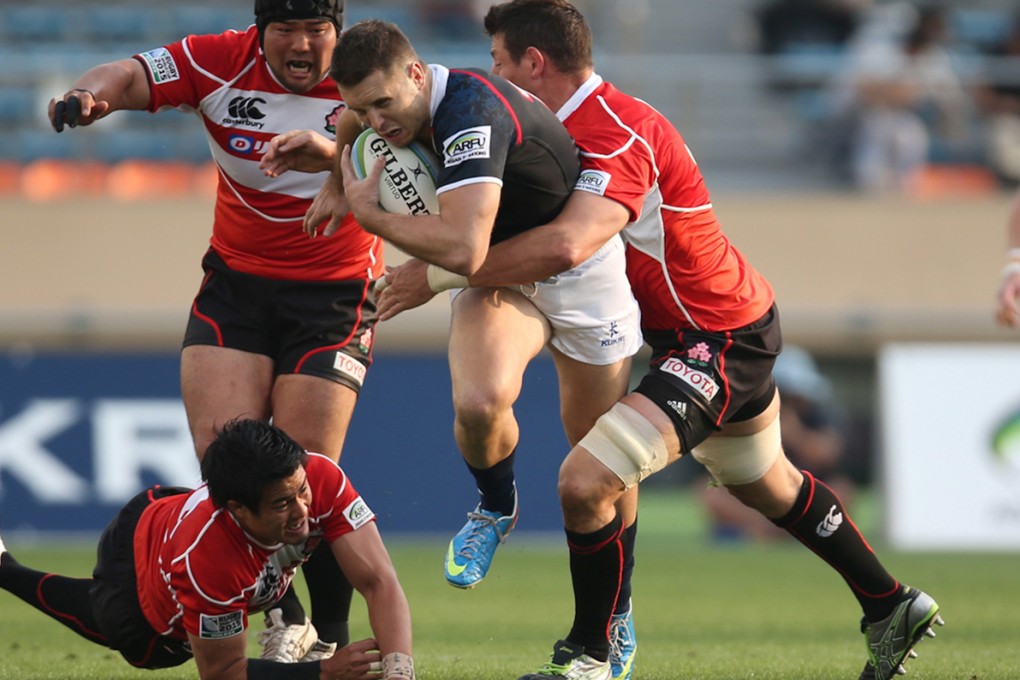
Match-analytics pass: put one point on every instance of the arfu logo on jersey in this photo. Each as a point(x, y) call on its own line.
point(467, 144)
point(593, 181)
point(358, 513)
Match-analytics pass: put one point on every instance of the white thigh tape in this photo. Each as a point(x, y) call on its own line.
point(733, 461)
point(625, 442)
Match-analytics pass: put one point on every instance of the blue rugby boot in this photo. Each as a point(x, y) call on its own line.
point(622, 644)
point(472, 549)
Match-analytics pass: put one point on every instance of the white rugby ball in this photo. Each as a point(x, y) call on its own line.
point(408, 182)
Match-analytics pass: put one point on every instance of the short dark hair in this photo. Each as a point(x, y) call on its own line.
point(246, 456)
point(366, 47)
point(555, 27)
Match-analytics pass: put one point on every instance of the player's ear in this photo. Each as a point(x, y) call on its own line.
point(416, 72)
point(535, 60)
point(238, 509)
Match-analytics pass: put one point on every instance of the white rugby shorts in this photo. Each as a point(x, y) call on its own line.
point(591, 309)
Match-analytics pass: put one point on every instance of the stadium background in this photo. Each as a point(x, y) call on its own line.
point(103, 230)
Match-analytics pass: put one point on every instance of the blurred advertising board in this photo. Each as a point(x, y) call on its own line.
point(80, 433)
point(950, 420)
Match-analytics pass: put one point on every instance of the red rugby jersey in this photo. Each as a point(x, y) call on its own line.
point(199, 573)
point(684, 272)
point(225, 80)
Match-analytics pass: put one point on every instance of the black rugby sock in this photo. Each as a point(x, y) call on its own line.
point(65, 600)
point(290, 605)
point(628, 539)
point(596, 564)
point(496, 485)
point(819, 521)
point(331, 595)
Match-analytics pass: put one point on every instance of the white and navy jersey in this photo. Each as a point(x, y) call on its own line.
point(198, 572)
point(485, 129)
point(226, 81)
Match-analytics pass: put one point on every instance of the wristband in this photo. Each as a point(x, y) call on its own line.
point(441, 279)
point(1011, 269)
point(397, 666)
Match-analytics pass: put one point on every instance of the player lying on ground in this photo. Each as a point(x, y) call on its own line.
point(179, 571)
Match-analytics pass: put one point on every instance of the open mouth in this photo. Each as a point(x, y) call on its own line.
point(298, 527)
point(299, 68)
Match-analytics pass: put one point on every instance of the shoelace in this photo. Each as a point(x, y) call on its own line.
point(475, 539)
point(619, 633)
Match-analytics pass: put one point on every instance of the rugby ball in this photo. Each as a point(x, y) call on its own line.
point(408, 182)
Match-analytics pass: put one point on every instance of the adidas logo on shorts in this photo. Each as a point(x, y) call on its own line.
point(679, 406)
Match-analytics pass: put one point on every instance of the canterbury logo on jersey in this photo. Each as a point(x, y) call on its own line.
point(246, 107)
point(467, 144)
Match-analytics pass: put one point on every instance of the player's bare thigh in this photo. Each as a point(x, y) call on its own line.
point(587, 391)
point(315, 411)
point(494, 333)
point(219, 384)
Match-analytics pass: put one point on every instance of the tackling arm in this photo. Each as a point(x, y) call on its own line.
point(587, 222)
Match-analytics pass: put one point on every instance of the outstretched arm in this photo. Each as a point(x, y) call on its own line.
point(103, 89)
point(330, 205)
point(366, 564)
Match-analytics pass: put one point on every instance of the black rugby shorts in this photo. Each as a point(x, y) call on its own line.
point(703, 380)
point(320, 328)
point(114, 591)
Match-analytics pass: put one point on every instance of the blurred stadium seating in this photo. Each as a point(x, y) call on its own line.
point(691, 59)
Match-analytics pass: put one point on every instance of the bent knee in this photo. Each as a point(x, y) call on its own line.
point(586, 485)
point(481, 408)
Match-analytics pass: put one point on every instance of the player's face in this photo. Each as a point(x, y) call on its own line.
point(298, 52)
point(283, 513)
point(504, 65)
point(394, 103)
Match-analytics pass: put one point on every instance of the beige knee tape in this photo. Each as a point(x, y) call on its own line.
point(733, 461)
point(625, 442)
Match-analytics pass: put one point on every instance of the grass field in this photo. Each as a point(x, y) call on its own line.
point(702, 611)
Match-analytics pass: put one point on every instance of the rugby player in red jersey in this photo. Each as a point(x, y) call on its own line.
point(281, 328)
point(179, 571)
